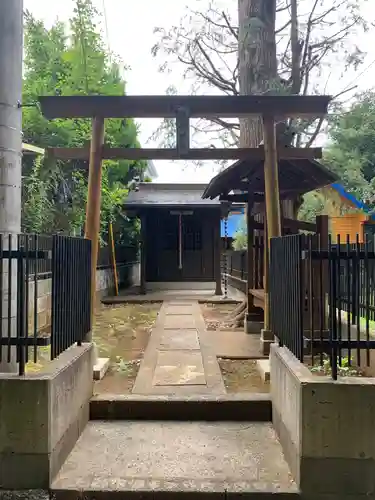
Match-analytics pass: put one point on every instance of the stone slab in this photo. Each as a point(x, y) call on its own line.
point(179, 310)
point(179, 368)
point(100, 368)
point(229, 344)
point(178, 457)
point(179, 340)
point(180, 321)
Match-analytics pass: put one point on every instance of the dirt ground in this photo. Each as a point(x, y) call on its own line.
point(121, 333)
point(242, 376)
point(215, 315)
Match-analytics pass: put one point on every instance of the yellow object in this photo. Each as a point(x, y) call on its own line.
point(113, 256)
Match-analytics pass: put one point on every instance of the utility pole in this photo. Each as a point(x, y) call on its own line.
point(11, 53)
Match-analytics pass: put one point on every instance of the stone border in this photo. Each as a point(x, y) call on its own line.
point(41, 417)
point(226, 407)
point(326, 428)
point(200, 489)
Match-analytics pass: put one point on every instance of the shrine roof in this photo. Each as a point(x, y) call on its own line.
point(153, 194)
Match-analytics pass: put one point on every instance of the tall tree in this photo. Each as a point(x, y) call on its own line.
point(70, 62)
point(314, 40)
point(257, 63)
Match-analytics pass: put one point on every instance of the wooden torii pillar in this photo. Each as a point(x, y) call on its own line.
point(94, 192)
point(273, 207)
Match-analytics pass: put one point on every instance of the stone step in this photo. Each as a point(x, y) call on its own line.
point(228, 407)
point(149, 460)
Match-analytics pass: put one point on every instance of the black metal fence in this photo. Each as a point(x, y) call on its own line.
point(321, 300)
point(125, 255)
point(237, 264)
point(71, 292)
point(69, 299)
point(357, 297)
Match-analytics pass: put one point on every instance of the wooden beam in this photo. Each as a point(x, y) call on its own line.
point(241, 198)
point(252, 154)
point(165, 106)
point(298, 225)
point(256, 197)
point(217, 254)
point(92, 225)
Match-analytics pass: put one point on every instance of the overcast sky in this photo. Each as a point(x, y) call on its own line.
point(130, 35)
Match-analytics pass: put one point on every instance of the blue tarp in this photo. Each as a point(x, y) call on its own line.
point(234, 221)
point(339, 188)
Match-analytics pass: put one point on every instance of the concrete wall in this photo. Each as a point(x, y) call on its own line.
point(104, 283)
point(41, 418)
point(326, 429)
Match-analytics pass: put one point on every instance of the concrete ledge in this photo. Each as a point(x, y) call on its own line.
point(160, 286)
point(25, 495)
point(100, 368)
point(199, 489)
point(325, 427)
point(41, 417)
point(263, 366)
point(229, 407)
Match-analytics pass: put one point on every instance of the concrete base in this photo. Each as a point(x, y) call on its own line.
point(100, 368)
point(266, 339)
point(226, 407)
point(263, 366)
point(41, 417)
point(253, 327)
point(326, 429)
point(180, 285)
point(253, 323)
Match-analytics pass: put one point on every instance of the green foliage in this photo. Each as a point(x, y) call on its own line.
point(240, 237)
point(58, 63)
point(346, 367)
point(352, 152)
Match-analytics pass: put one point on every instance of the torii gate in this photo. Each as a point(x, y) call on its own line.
point(270, 108)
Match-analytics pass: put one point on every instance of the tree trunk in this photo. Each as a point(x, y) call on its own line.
point(257, 72)
point(257, 59)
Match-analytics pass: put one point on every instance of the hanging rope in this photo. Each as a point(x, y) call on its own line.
point(226, 256)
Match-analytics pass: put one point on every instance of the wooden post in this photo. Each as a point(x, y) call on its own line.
point(272, 200)
point(271, 179)
point(250, 255)
point(143, 255)
point(92, 226)
point(266, 278)
point(217, 254)
point(321, 282)
point(113, 257)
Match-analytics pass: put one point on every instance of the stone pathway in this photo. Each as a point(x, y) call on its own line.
point(179, 358)
point(133, 459)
